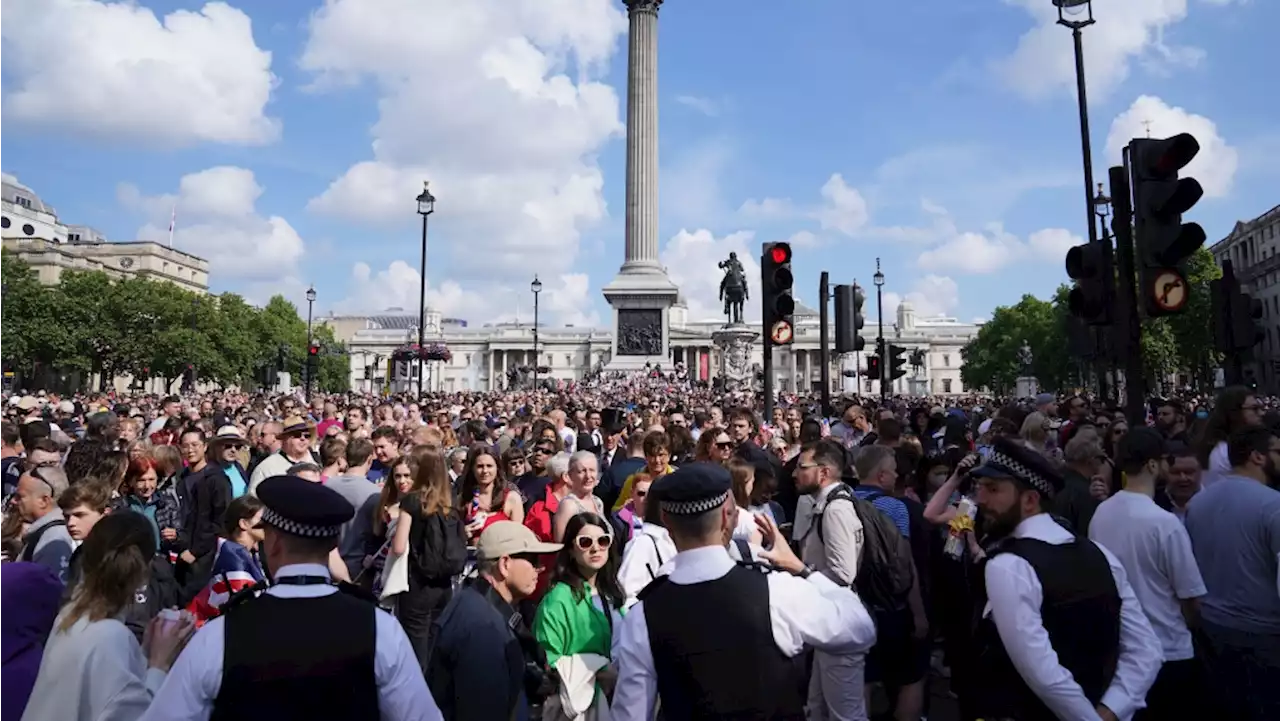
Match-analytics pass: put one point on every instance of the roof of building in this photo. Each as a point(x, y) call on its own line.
point(12, 189)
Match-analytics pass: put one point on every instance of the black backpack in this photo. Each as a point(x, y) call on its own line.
point(438, 546)
point(886, 570)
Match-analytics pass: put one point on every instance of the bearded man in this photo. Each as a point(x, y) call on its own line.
point(1043, 586)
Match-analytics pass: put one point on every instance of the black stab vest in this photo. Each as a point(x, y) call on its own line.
point(1081, 613)
point(714, 651)
point(287, 659)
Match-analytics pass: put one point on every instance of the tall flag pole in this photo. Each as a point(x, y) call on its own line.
point(173, 218)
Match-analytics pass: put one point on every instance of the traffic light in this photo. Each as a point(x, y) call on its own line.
point(873, 367)
point(1237, 322)
point(779, 303)
point(1162, 242)
point(849, 320)
point(1090, 266)
point(897, 362)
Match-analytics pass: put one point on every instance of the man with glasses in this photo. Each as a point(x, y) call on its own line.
point(46, 541)
point(486, 663)
point(533, 484)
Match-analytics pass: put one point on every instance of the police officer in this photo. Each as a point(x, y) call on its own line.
point(1061, 635)
point(718, 639)
point(302, 649)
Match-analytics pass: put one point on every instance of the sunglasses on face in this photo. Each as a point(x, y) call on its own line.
point(586, 542)
point(724, 445)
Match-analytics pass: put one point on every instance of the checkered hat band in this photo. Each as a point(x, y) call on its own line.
point(292, 527)
point(1011, 466)
point(693, 508)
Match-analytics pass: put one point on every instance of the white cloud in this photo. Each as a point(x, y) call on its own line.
point(977, 253)
point(803, 239)
point(565, 299)
point(706, 106)
point(843, 207)
point(477, 97)
point(930, 296)
point(1044, 61)
point(691, 259)
point(115, 69)
point(216, 218)
point(1215, 166)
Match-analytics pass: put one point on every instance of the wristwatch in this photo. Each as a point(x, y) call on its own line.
point(805, 571)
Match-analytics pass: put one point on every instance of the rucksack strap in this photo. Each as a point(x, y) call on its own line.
point(841, 492)
point(29, 549)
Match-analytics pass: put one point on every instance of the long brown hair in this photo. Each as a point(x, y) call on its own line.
point(116, 559)
point(431, 480)
point(467, 482)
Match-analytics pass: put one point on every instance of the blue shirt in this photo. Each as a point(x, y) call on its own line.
point(377, 472)
point(1234, 526)
point(892, 507)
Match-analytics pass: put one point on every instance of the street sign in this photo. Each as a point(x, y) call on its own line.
point(781, 332)
point(1169, 291)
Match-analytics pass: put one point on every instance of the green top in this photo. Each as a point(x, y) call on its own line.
point(567, 626)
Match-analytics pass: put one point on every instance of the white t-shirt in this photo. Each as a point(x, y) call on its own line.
point(1155, 550)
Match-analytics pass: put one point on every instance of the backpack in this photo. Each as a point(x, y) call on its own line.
point(33, 540)
point(886, 569)
point(438, 547)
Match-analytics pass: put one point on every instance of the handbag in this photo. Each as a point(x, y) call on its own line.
point(395, 575)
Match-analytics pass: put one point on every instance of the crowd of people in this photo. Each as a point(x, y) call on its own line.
point(638, 547)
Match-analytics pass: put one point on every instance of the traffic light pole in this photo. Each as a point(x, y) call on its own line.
point(1128, 326)
point(824, 339)
point(768, 367)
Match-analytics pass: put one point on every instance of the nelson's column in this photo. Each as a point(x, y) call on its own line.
point(641, 294)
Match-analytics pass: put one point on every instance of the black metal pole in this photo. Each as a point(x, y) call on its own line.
point(535, 341)
point(824, 339)
point(768, 354)
point(195, 305)
point(880, 349)
point(309, 370)
point(422, 299)
point(1086, 149)
point(1128, 325)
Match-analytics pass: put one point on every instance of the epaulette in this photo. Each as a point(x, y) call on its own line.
point(652, 586)
point(238, 598)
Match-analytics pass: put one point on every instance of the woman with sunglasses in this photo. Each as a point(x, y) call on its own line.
point(577, 617)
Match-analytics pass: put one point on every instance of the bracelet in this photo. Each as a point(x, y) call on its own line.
point(805, 572)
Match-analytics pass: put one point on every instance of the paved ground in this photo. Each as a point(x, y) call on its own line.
point(942, 707)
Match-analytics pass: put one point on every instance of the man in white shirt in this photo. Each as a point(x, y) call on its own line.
point(1042, 585)
point(1156, 552)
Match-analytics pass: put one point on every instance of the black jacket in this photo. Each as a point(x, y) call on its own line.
point(205, 497)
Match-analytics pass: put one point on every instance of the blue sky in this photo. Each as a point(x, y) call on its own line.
point(942, 137)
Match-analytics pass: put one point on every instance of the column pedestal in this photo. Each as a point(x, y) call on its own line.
point(1027, 386)
point(735, 342)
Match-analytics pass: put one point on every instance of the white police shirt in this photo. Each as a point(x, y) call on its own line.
point(1014, 598)
point(809, 611)
point(194, 681)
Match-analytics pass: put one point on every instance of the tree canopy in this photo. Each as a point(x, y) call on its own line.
point(92, 322)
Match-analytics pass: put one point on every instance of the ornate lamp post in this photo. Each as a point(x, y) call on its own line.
point(1077, 15)
point(536, 287)
point(426, 206)
point(878, 279)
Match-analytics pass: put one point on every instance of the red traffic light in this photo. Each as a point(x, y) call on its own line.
point(780, 253)
point(314, 350)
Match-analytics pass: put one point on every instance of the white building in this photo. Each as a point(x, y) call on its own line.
point(32, 232)
point(1252, 249)
point(483, 355)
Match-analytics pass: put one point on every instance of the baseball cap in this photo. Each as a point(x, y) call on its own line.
point(508, 538)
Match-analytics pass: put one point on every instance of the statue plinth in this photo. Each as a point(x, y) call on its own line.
point(1027, 386)
point(735, 341)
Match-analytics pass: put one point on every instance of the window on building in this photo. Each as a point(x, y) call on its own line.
point(468, 356)
point(946, 385)
point(73, 237)
point(568, 360)
point(946, 360)
point(24, 202)
point(868, 386)
point(28, 230)
point(5, 222)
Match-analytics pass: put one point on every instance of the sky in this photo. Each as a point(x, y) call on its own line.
point(288, 139)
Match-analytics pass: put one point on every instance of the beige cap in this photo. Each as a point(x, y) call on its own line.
point(508, 538)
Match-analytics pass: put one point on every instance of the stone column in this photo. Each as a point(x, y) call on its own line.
point(642, 137)
point(795, 385)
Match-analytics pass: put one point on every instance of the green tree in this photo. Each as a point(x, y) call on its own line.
point(30, 319)
point(1192, 330)
point(334, 372)
point(991, 359)
point(90, 312)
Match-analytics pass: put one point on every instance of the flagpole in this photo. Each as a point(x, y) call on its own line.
point(173, 218)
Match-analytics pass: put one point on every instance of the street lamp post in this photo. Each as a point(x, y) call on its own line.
point(1077, 15)
point(878, 279)
point(311, 300)
point(426, 206)
point(536, 287)
point(1101, 342)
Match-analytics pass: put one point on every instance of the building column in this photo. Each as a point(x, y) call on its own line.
point(795, 385)
point(642, 137)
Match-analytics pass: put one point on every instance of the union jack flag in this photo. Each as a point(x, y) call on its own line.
point(234, 568)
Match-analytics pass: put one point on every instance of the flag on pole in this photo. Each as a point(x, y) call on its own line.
point(173, 218)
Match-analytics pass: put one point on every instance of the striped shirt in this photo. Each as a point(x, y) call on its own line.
point(892, 507)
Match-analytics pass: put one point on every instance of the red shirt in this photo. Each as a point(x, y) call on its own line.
point(541, 520)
